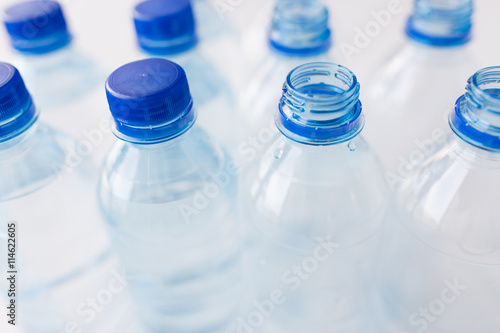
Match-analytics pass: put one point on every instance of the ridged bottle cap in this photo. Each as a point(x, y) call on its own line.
point(36, 26)
point(165, 26)
point(150, 101)
point(17, 111)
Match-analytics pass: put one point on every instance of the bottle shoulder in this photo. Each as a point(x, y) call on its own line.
point(167, 171)
point(450, 203)
point(315, 165)
point(61, 77)
point(299, 192)
point(33, 160)
point(414, 69)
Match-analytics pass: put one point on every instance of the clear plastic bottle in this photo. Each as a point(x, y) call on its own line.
point(315, 205)
point(167, 28)
point(168, 193)
point(53, 70)
point(443, 256)
point(409, 96)
point(299, 34)
point(62, 255)
point(211, 21)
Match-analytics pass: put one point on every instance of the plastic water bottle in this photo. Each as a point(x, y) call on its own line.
point(168, 193)
point(211, 20)
point(49, 207)
point(58, 74)
point(167, 28)
point(299, 34)
point(218, 34)
point(314, 207)
point(408, 98)
point(443, 257)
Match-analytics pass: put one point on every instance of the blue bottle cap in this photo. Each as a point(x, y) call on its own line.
point(300, 28)
point(476, 118)
point(441, 22)
point(165, 26)
point(150, 101)
point(17, 111)
point(320, 105)
point(36, 27)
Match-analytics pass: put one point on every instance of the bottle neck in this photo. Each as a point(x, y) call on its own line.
point(320, 105)
point(475, 156)
point(19, 144)
point(441, 22)
point(11, 130)
point(300, 28)
point(162, 144)
point(152, 135)
point(476, 118)
point(49, 59)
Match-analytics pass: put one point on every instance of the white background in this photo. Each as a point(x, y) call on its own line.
point(103, 29)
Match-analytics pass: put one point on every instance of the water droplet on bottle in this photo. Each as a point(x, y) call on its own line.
point(278, 153)
point(351, 146)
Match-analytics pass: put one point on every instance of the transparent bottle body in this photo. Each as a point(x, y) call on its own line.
point(410, 98)
point(443, 255)
point(63, 252)
point(211, 21)
point(171, 213)
point(67, 87)
point(319, 208)
point(59, 77)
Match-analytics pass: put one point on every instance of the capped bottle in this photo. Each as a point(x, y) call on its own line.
point(168, 29)
point(49, 210)
point(168, 193)
point(56, 72)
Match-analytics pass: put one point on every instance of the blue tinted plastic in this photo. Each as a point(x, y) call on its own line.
point(150, 101)
point(165, 26)
point(53, 200)
point(320, 104)
point(476, 118)
point(17, 111)
point(448, 215)
point(36, 26)
point(300, 28)
point(184, 258)
point(441, 23)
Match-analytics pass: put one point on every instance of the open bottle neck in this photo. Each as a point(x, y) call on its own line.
point(320, 105)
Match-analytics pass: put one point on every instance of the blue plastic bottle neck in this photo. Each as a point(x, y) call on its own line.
point(320, 105)
point(165, 27)
point(441, 22)
point(476, 118)
point(300, 28)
